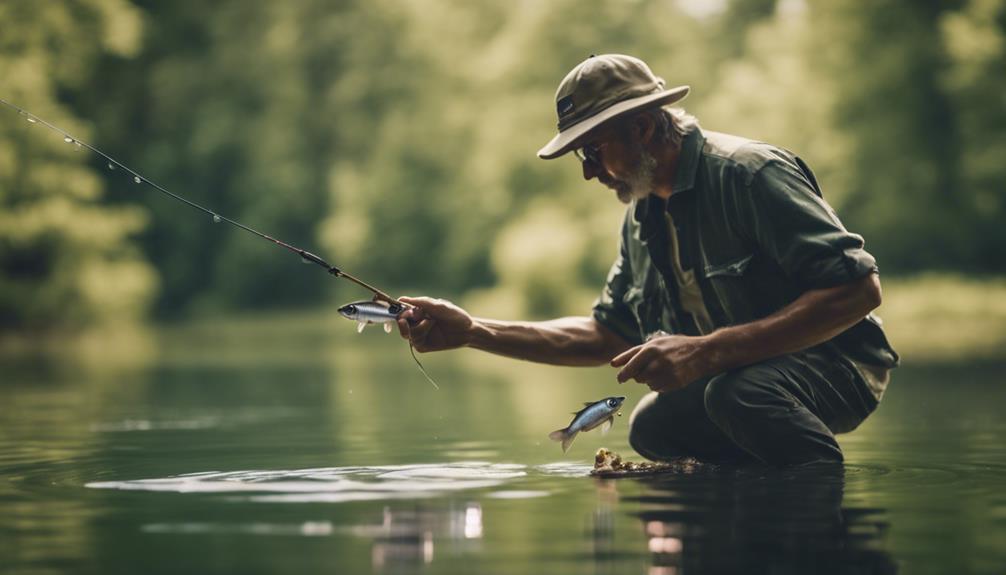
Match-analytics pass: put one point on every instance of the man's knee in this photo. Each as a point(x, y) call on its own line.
point(756, 409)
point(739, 392)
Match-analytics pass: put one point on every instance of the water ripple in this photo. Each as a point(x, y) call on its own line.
point(564, 469)
point(334, 484)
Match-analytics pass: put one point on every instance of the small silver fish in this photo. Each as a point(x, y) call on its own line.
point(599, 413)
point(368, 312)
point(380, 311)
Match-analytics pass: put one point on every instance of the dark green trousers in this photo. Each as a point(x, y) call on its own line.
point(783, 411)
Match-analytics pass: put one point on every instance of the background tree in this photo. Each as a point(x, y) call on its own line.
point(398, 139)
point(66, 257)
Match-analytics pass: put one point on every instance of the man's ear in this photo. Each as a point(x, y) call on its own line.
point(645, 127)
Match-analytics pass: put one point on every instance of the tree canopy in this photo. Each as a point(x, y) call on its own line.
point(398, 139)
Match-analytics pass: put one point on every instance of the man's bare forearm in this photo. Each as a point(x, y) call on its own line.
point(813, 318)
point(575, 341)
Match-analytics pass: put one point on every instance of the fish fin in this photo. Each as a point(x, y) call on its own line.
point(387, 327)
point(568, 440)
point(360, 325)
point(606, 426)
point(377, 300)
point(563, 435)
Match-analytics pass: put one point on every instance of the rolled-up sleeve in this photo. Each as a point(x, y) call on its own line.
point(797, 229)
point(610, 310)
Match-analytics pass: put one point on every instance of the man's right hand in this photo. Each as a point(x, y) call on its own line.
point(434, 324)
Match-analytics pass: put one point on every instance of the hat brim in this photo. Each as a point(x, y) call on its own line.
point(567, 139)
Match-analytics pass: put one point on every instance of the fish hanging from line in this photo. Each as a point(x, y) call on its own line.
point(598, 413)
point(365, 313)
point(379, 311)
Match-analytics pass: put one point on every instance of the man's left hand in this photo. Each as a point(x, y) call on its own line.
point(665, 363)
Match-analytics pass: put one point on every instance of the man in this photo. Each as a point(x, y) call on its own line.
point(738, 297)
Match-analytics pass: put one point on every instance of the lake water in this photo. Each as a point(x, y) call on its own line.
point(268, 448)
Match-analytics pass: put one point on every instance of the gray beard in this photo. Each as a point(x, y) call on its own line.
point(639, 183)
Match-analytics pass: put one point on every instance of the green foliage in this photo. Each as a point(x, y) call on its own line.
point(66, 259)
point(397, 139)
point(945, 318)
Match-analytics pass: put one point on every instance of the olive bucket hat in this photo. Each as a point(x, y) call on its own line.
point(602, 88)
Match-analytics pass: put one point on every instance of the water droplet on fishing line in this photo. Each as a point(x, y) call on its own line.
point(111, 166)
point(137, 179)
point(30, 119)
point(76, 146)
point(68, 139)
point(216, 219)
point(304, 260)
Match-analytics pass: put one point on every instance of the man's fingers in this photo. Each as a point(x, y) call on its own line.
point(424, 303)
point(647, 373)
point(415, 311)
point(403, 327)
point(620, 359)
point(636, 364)
point(420, 330)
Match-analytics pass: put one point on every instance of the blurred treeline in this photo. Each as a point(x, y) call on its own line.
point(397, 139)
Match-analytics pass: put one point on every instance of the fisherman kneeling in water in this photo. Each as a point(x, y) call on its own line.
point(737, 296)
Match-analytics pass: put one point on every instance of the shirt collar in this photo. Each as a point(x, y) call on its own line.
point(688, 160)
point(684, 176)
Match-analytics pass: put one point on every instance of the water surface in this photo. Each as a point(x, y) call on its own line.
point(319, 451)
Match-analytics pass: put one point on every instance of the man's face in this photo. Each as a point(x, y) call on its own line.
point(619, 161)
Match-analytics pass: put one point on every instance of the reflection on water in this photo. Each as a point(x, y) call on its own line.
point(402, 538)
point(700, 519)
point(410, 536)
point(333, 459)
point(780, 521)
point(306, 529)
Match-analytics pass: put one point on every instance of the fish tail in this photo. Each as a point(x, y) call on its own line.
point(565, 436)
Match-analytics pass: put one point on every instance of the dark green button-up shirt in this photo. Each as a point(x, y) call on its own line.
point(751, 224)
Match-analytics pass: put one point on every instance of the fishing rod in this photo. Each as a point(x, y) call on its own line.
point(138, 178)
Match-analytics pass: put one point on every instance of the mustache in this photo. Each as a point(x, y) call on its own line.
point(621, 188)
point(610, 182)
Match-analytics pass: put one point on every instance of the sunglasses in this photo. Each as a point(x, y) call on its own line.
point(589, 153)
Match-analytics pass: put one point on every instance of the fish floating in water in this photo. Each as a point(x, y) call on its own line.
point(365, 313)
point(599, 413)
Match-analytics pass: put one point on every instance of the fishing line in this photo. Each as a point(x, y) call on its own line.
point(412, 350)
point(113, 164)
point(306, 256)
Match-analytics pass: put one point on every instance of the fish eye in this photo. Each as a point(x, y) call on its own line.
point(612, 402)
point(351, 308)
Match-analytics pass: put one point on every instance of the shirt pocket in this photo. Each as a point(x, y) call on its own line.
point(731, 285)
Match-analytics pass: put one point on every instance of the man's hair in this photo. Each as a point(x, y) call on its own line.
point(672, 124)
